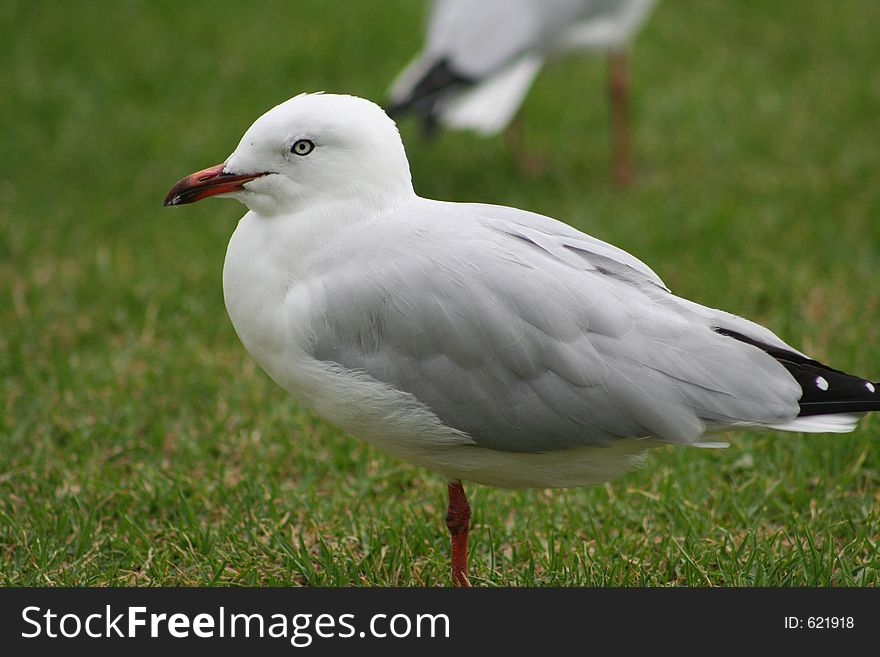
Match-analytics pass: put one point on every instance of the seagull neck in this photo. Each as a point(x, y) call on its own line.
point(299, 239)
point(354, 202)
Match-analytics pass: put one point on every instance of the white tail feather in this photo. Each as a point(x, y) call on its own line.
point(836, 423)
point(488, 107)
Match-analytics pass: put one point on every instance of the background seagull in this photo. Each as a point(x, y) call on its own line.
point(481, 57)
point(486, 343)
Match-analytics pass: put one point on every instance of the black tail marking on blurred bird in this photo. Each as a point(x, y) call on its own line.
point(825, 389)
point(433, 86)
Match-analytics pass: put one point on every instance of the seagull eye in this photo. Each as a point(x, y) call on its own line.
point(302, 147)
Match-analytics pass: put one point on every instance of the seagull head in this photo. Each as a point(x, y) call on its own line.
point(310, 150)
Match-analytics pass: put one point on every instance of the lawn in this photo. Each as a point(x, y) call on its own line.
point(140, 445)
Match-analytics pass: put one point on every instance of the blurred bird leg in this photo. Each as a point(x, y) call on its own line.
point(618, 88)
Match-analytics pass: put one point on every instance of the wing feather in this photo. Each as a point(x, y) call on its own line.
point(529, 336)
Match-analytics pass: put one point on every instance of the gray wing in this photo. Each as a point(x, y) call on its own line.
point(479, 38)
point(530, 336)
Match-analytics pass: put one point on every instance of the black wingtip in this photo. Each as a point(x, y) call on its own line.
point(826, 390)
point(438, 81)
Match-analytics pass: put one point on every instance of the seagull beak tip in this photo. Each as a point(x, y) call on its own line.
point(208, 182)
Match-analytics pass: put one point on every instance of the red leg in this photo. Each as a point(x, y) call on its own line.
point(618, 86)
point(458, 518)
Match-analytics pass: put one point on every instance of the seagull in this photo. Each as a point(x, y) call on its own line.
point(486, 343)
point(481, 57)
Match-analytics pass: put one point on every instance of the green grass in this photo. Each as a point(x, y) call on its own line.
point(140, 445)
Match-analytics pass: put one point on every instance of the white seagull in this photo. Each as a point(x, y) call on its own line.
point(486, 343)
point(481, 57)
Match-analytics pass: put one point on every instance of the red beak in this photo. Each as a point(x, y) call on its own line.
point(205, 183)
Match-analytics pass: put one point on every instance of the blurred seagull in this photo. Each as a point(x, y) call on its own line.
point(482, 56)
point(486, 343)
